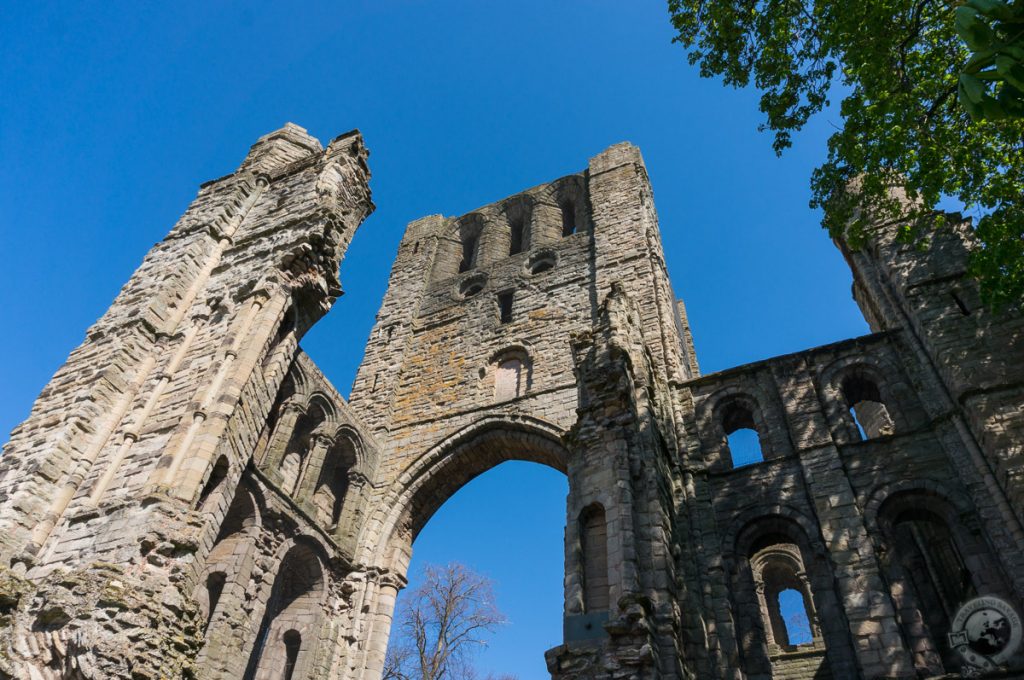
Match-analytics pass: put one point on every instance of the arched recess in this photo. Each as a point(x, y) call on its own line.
point(332, 484)
point(934, 561)
point(861, 400)
point(223, 583)
point(774, 553)
point(286, 643)
point(412, 499)
point(292, 460)
point(728, 415)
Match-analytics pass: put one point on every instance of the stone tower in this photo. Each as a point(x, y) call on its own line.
point(190, 496)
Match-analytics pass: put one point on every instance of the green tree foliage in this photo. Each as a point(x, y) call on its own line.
point(897, 65)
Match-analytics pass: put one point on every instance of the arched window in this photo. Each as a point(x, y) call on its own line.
point(742, 438)
point(332, 485)
point(929, 556)
point(794, 617)
point(787, 607)
point(594, 555)
point(511, 375)
point(298, 447)
point(865, 405)
point(568, 218)
point(929, 577)
point(295, 607)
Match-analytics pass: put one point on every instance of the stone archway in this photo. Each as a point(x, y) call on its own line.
point(404, 508)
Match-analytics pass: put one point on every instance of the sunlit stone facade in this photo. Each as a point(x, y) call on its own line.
point(191, 498)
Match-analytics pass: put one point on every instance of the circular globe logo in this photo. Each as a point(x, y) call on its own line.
point(986, 632)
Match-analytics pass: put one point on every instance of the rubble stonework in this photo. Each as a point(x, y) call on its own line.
point(191, 498)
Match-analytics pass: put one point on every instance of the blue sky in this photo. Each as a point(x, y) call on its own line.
point(111, 115)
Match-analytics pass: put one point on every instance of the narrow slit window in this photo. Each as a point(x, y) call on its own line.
point(517, 239)
point(505, 301)
point(468, 253)
point(568, 219)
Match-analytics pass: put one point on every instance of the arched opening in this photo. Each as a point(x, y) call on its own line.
point(790, 619)
point(866, 408)
point(743, 441)
point(793, 608)
point(787, 604)
point(293, 614)
point(298, 446)
point(491, 507)
point(933, 565)
point(221, 585)
point(570, 195)
point(332, 486)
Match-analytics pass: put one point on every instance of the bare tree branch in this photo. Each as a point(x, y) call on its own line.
point(441, 624)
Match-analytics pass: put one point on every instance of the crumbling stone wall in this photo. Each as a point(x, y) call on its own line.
point(191, 497)
point(113, 490)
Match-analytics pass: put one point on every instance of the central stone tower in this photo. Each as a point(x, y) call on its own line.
point(510, 333)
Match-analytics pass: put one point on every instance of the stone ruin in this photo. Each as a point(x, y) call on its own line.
point(190, 497)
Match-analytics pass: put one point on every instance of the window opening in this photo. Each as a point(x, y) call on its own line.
point(794, 617)
point(468, 254)
point(742, 437)
point(505, 306)
point(864, 401)
point(516, 237)
point(541, 262)
point(218, 475)
point(568, 218)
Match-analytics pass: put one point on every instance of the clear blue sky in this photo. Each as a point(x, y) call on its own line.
point(111, 114)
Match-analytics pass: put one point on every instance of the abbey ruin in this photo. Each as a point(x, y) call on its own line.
point(190, 497)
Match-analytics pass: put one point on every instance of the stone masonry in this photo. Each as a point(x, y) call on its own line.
point(190, 497)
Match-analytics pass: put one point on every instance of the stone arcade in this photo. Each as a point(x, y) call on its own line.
point(191, 498)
